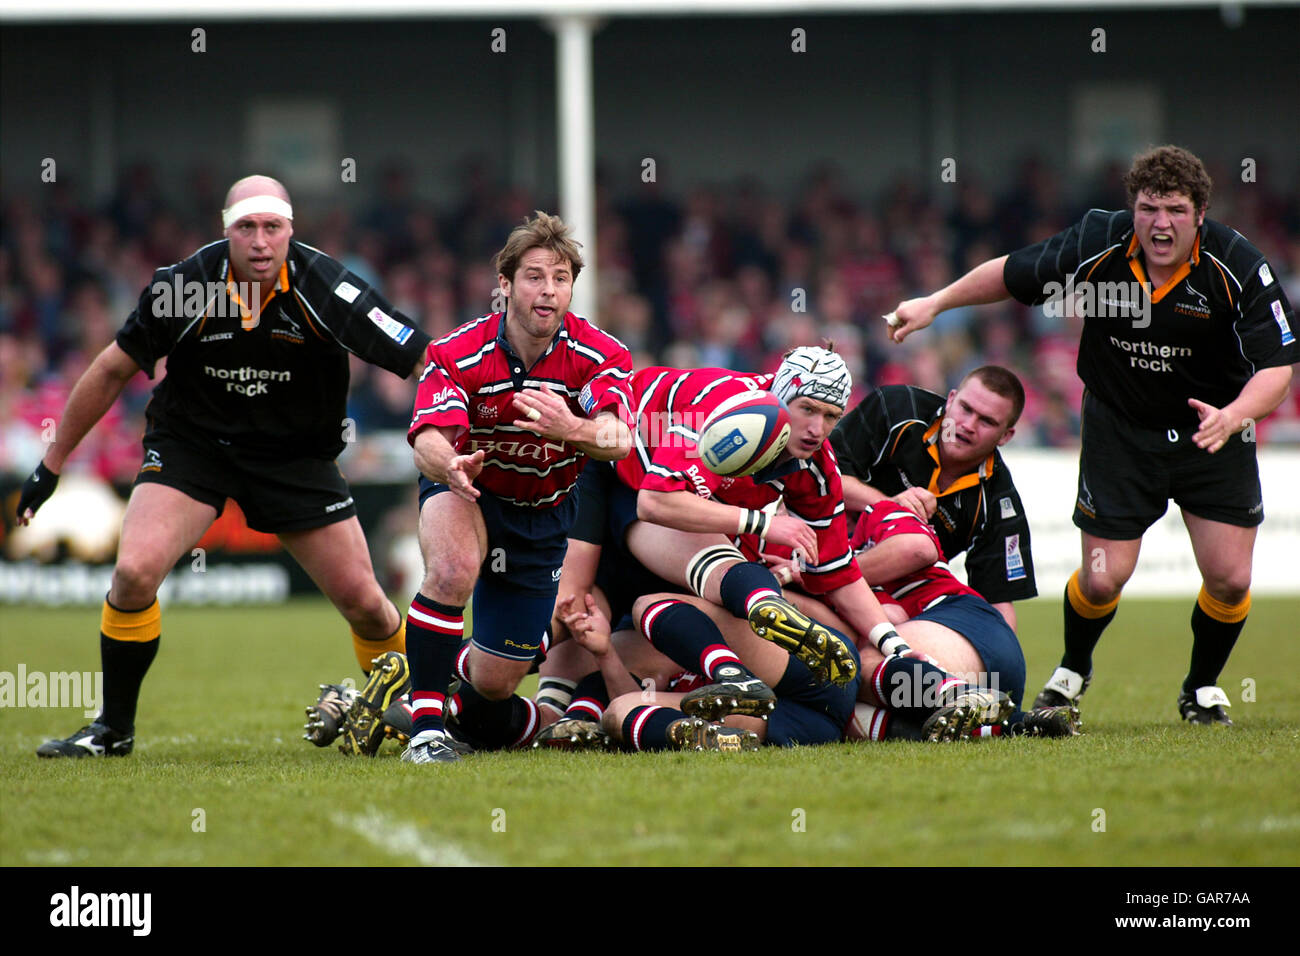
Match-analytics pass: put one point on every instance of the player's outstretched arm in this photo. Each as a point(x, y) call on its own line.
point(92, 396)
point(896, 556)
point(590, 628)
point(1259, 397)
point(437, 459)
point(981, 285)
point(604, 437)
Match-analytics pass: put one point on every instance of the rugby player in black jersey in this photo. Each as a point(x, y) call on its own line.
point(939, 457)
point(257, 330)
point(1187, 343)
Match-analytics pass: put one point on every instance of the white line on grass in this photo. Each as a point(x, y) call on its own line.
point(404, 840)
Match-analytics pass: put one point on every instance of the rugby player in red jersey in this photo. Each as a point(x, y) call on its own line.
point(499, 439)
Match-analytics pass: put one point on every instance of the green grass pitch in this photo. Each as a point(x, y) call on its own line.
point(221, 776)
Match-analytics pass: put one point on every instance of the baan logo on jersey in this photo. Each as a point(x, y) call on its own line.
point(534, 451)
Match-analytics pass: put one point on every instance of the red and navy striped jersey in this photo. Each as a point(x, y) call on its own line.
point(469, 382)
point(669, 406)
point(918, 590)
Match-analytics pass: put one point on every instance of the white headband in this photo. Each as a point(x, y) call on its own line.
point(271, 204)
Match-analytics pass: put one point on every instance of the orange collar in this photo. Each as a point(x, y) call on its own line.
point(1139, 272)
point(969, 480)
point(249, 320)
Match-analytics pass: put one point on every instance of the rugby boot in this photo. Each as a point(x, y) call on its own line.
point(691, 733)
point(431, 746)
point(1205, 706)
point(1062, 721)
point(1063, 688)
point(570, 733)
point(968, 708)
point(735, 694)
point(823, 651)
point(93, 740)
point(325, 717)
point(363, 726)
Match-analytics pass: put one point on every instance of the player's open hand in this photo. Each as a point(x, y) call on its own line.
point(1216, 427)
point(36, 490)
point(793, 533)
point(546, 413)
point(590, 627)
point(910, 316)
point(461, 472)
point(920, 501)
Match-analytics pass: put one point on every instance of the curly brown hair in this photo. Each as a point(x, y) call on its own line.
point(543, 231)
point(1166, 170)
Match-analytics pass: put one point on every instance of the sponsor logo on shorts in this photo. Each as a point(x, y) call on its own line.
point(1007, 507)
point(395, 330)
point(555, 575)
point(338, 505)
point(347, 292)
point(1015, 563)
point(522, 647)
point(152, 460)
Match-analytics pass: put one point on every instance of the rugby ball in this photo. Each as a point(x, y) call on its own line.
point(744, 434)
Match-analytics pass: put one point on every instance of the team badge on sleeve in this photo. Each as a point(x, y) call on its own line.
point(585, 399)
point(1015, 563)
point(1279, 315)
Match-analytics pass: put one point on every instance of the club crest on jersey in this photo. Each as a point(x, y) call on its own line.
point(290, 334)
point(485, 410)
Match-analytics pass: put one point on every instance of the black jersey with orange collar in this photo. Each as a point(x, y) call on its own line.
point(275, 380)
point(889, 442)
point(1219, 319)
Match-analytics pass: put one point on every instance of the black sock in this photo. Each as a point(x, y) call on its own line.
point(496, 724)
point(433, 639)
point(1213, 639)
point(913, 688)
point(1084, 623)
point(646, 727)
point(688, 636)
point(590, 698)
point(125, 663)
point(744, 582)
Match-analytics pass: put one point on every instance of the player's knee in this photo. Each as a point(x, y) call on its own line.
point(495, 686)
point(1102, 587)
point(364, 603)
point(1230, 586)
point(643, 604)
point(136, 581)
point(454, 570)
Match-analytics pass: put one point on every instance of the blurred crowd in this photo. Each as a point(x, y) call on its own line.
point(710, 274)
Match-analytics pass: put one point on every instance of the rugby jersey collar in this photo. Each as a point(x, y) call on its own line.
point(931, 439)
point(1138, 267)
point(504, 344)
point(281, 285)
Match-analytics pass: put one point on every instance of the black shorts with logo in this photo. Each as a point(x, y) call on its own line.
point(277, 494)
point(1128, 474)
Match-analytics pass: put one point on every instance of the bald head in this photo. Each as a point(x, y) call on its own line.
point(256, 186)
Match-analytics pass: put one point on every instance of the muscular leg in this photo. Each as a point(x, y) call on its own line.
point(161, 525)
point(1091, 597)
point(337, 559)
point(453, 543)
point(1224, 556)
